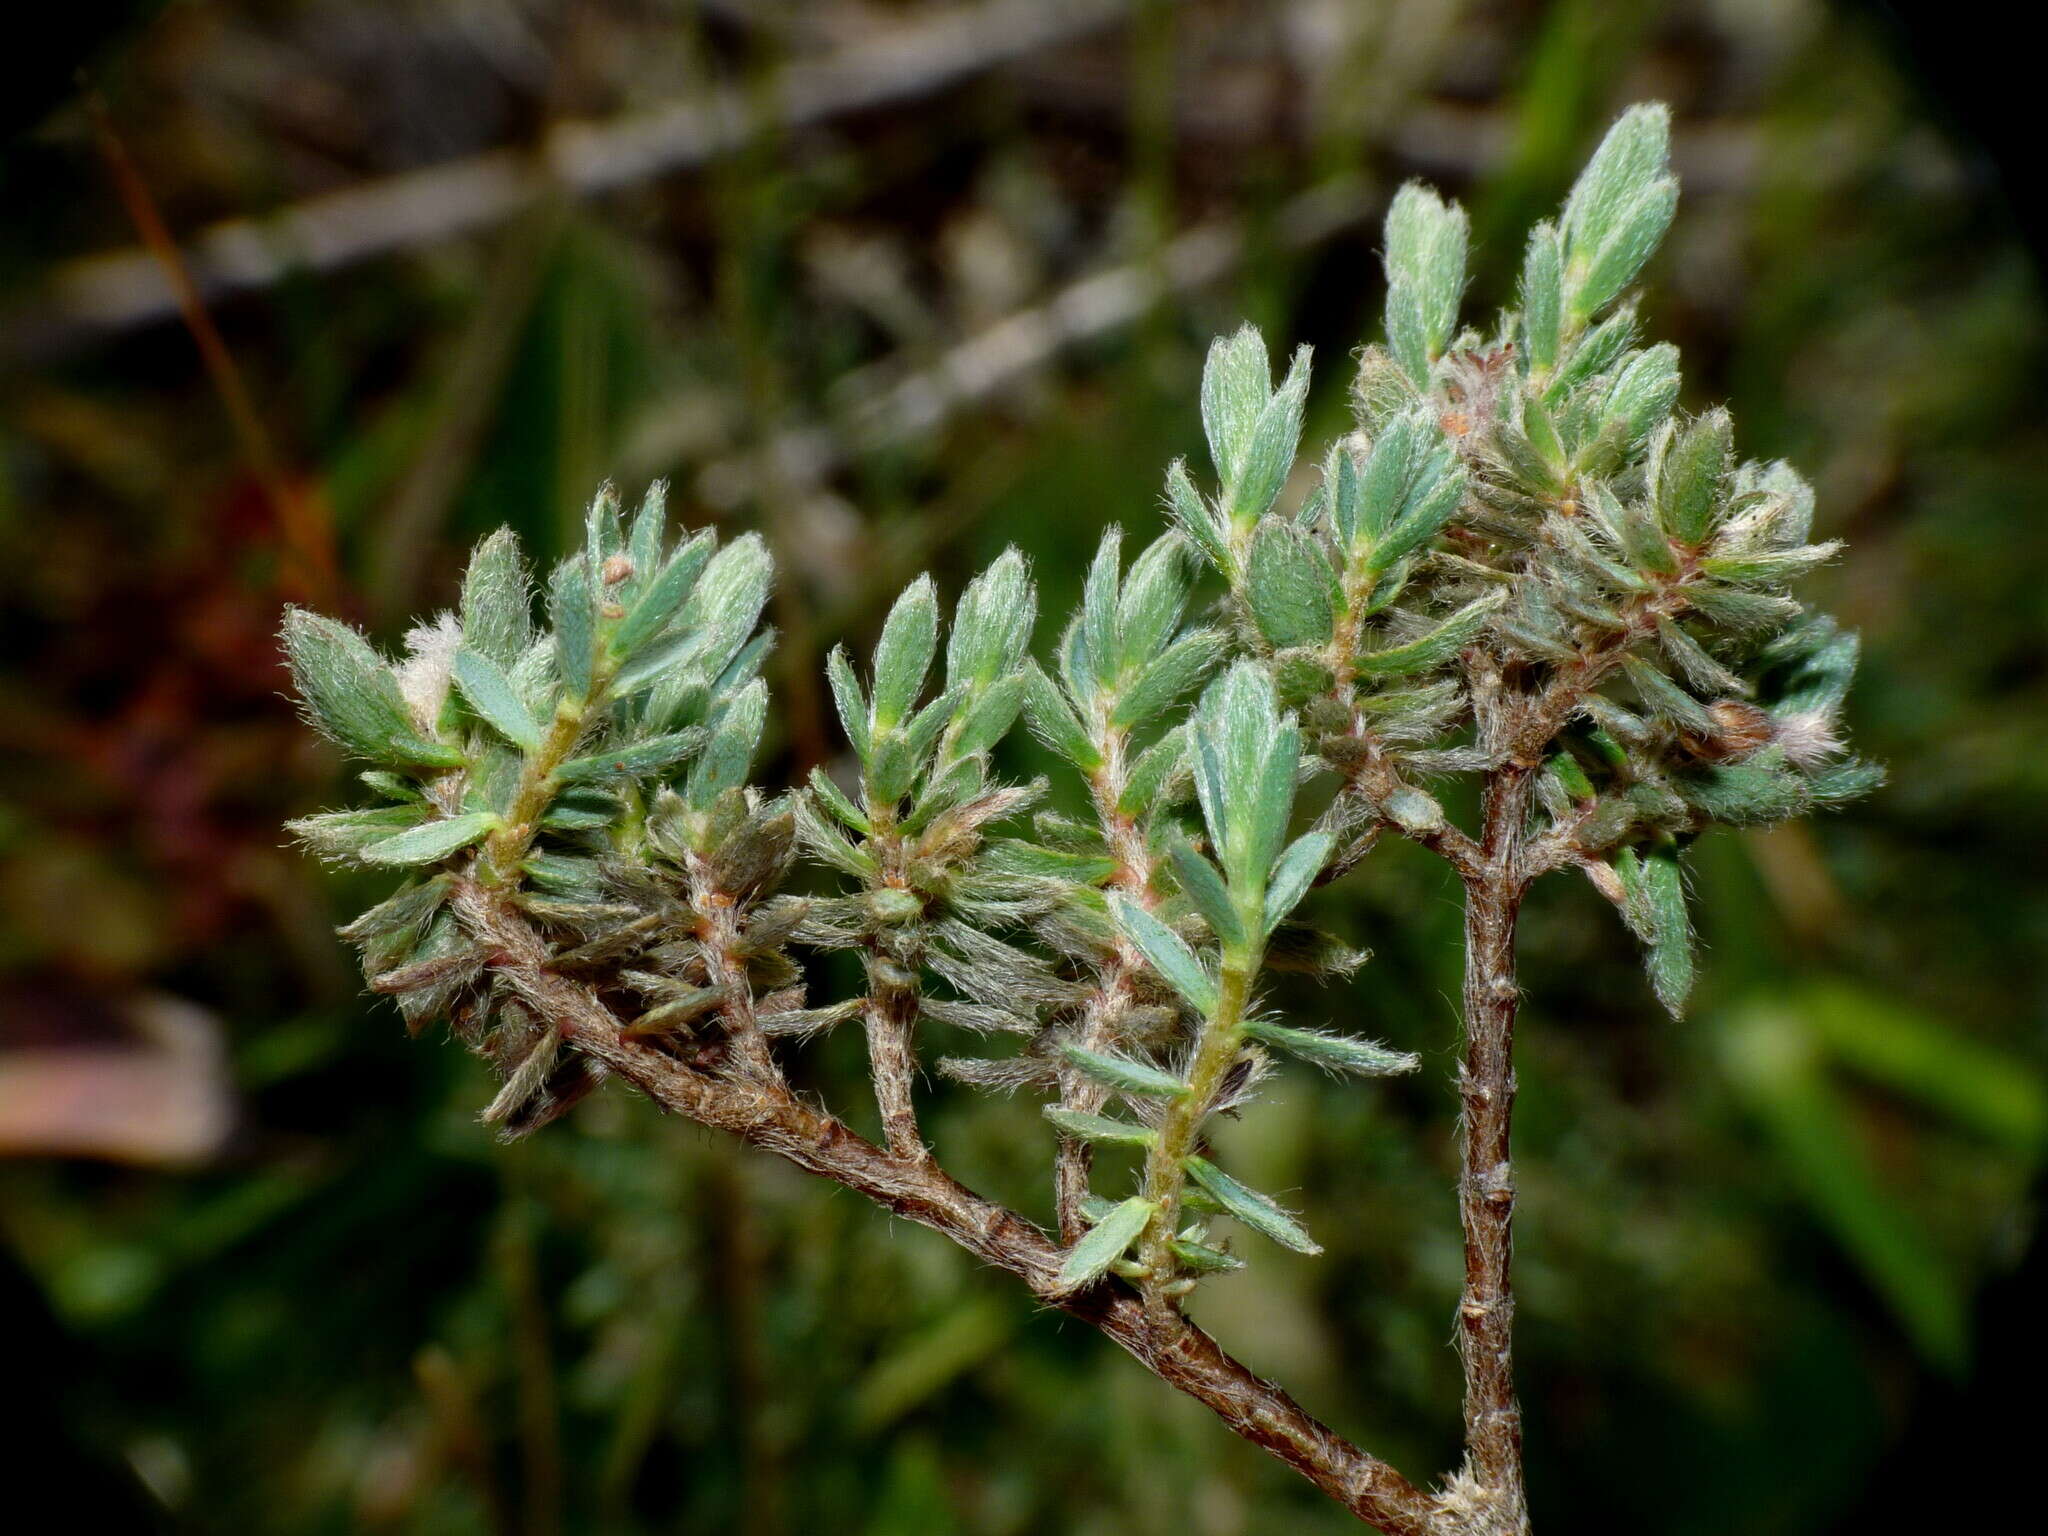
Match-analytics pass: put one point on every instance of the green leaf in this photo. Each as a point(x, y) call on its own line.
point(567, 876)
point(849, 701)
point(1642, 394)
point(734, 740)
point(1756, 792)
point(1104, 1243)
point(1631, 526)
point(343, 834)
point(924, 728)
point(1230, 732)
point(1542, 297)
point(1289, 586)
point(836, 802)
point(663, 594)
point(351, 694)
point(491, 694)
point(1271, 808)
point(1699, 667)
point(1153, 773)
point(1388, 476)
point(1203, 1259)
point(1691, 475)
point(497, 618)
point(435, 840)
point(650, 528)
point(1269, 455)
point(1293, 873)
point(1245, 759)
point(1771, 568)
point(893, 767)
point(1670, 958)
point(1661, 696)
point(1014, 856)
point(1425, 266)
point(1179, 668)
point(1259, 1212)
point(826, 844)
point(1434, 647)
point(1205, 888)
point(1124, 1074)
point(1165, 951)
point(1098, 613)
point(630, 760)
point(1634, 240)
point(1100, 1127)
point(1236, 384)
point(1193, 516)
point(1619, 208)
point(903, 656)
point(572, 609)
point(1054, 722)
point(602, 534)
point(992, 625)
point(1337, 1053)
point(1429, 509)
point(1343, 492)
point(1153, 596)
point(987, 718)
point(726, 603)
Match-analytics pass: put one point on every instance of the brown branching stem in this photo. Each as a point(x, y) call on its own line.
point(1486, 1185)
point(770, 1117)
point(1111, 1001)
point(890, 1017)
point(720, 933)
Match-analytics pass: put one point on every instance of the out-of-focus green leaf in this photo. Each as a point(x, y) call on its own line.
point(1775, 1063)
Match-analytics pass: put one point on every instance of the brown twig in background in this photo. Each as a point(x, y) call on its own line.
point(306, 543)
point(119, 290)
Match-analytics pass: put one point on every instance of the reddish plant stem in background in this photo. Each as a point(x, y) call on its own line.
point(307, 543)
point(768, 1116)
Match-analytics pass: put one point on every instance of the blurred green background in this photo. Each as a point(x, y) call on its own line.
point(898, 284)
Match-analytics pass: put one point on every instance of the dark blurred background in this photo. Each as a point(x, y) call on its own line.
point(898, 284)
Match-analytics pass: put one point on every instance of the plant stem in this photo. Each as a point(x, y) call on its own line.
point(721, 935)
point(890, 1017)
point(1486, 1188)
point(1104, 1012)
point(1166, 1159)
point(915, 1187)
point(506, 849)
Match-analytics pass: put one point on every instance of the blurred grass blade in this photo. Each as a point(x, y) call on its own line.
point(1775, 1065)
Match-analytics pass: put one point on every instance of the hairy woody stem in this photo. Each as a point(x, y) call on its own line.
point(891, 1017)
point(891, 1014)
point(1106, 1007)
point(718, 917)
point(1486, 1188)
point(770, 1117)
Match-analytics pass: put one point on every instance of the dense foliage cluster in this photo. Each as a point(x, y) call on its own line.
point(1524, 566)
